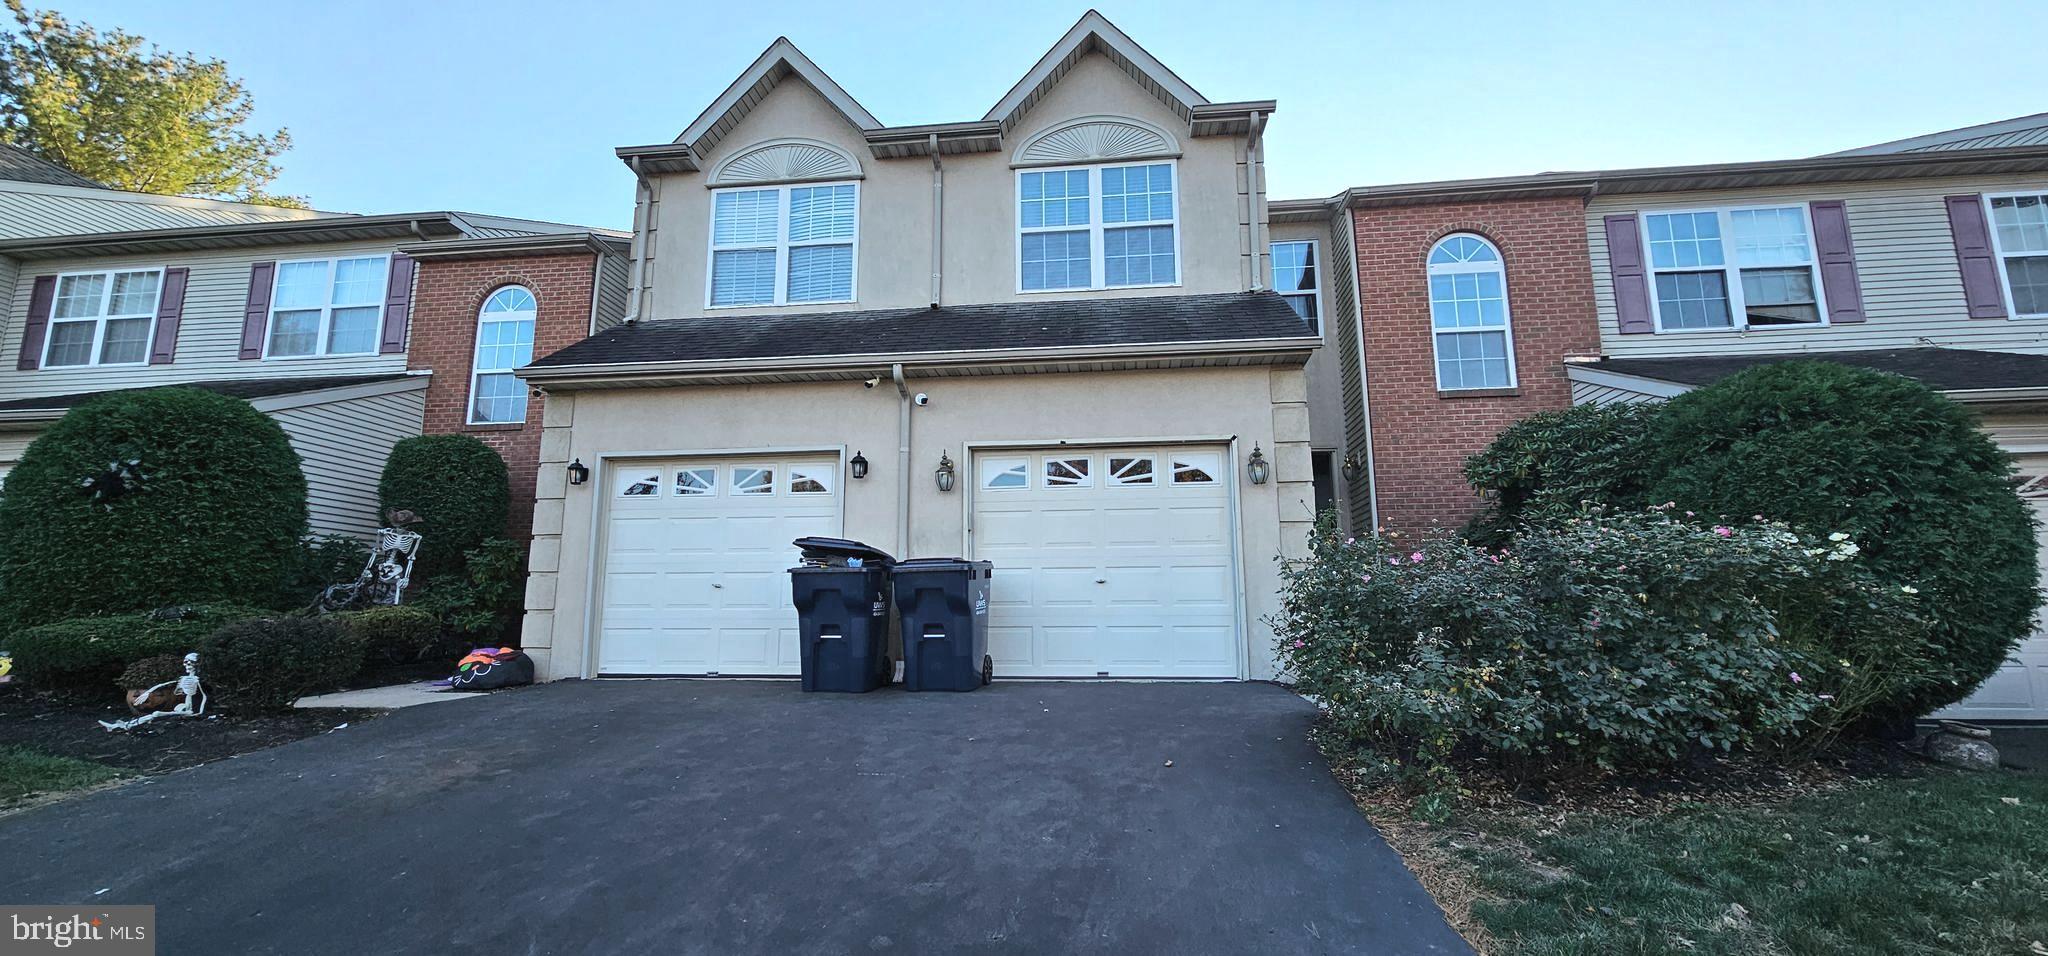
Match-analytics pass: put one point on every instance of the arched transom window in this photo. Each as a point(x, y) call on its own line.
point(1468, 312)
point(504, 341)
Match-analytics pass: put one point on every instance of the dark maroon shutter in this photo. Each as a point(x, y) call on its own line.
point(256, 313)
point(40, 300)
point(397, 304)
point(1631, 281)
point(170, 307)
point(1973, 254)
point(1837, 260)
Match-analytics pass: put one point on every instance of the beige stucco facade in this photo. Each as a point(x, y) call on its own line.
point(1220, 195)
point(1236, 407)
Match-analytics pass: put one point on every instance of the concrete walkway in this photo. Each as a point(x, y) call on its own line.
point(388, 698)
point(744, 817)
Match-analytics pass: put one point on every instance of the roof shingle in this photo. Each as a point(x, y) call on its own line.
point(1943, 369)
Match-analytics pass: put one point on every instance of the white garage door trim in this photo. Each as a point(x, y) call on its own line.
point(610, 466)
point(1226, 446)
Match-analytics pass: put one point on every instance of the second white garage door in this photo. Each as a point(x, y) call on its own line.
point(1113, 562)
point(697, 559)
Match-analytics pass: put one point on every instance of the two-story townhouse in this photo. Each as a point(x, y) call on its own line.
point(1044, 338)
point(307, 317)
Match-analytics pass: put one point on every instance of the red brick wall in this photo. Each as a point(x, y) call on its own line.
point(446, 298)
point(1419, 439)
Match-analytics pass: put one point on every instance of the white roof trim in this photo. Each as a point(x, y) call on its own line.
point(2017, 123)
point(780, 55)
point(1093, 28)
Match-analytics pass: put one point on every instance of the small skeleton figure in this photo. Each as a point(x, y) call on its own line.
point(385, 576)
point(190, 695)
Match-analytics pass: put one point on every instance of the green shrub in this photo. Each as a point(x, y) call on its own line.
point(323, 560)
point(269, 663)
point(91, 652)
point(398, 634)
point(1625, 642)
point(1551, 464)
point(482, 603)
point(1901, 470)
point(151, 671)
point(142, 499)
point(457, 487)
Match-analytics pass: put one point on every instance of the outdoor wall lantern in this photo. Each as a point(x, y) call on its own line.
point(858, 466)
point(1255, 467)
point(1351, 468)
point(944, 475)
point(578, 474)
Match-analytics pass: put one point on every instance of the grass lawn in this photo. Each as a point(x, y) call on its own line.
point(1947, 862)
point(25, 773)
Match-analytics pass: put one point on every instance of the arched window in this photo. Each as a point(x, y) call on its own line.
point(504, 341)
point(1468, 313)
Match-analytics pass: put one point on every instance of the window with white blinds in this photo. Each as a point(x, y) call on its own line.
point(780, 245)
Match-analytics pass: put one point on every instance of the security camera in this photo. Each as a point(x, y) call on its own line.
point(871, 383)
point(923, 399)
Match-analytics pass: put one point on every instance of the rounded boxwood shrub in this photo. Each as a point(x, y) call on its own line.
point(142, 499)
point(1552, 464)
point(85, 654)
point(269, 663)
point(456, 486)
point(151, 671)
point(1906, 474)
point(397, 634)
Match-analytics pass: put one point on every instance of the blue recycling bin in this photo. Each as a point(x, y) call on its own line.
point(841, 594)
point(943, 606)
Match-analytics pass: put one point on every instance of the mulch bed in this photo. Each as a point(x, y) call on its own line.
point(67, 727)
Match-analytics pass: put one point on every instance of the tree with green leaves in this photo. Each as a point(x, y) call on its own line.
point(114, 108)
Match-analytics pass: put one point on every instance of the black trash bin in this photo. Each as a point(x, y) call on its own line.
point(943, 604)
point(841, 594)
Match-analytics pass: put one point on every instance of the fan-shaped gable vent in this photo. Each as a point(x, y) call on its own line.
point(1095, 140)
point(783, 162)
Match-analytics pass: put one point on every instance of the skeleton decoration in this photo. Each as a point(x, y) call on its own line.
point(384, 576)
point(120, 478)
point(186, 690)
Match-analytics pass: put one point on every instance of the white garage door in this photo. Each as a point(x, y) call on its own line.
point(696, 562)
point(1108, 562)
point(2019, 690)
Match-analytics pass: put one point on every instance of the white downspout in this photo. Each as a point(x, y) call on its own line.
point(938, 222)
point(902, 461)
point(1252, 146)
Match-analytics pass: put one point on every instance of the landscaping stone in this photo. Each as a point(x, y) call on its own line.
point(1962, 745)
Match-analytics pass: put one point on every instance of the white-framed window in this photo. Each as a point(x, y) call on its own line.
point(811, 479)
point(1750, 267)
point(1130, 471)
point(327, 307)
point(1468, 314)
point(103, 318)
point(2019, 240)
point(1068, 472)
point(780, 245)
point(1196, 467)
point(1005, 474)
point(696, 482)
point(640, 483)
point(1297, 277)
point(504, 341)
point(753, 481)
point(1098, 227)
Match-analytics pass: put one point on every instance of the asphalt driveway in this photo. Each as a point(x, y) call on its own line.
point(732, 817)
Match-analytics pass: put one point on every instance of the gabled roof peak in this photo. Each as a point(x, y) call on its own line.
point(1093, 33)
point(781, 60)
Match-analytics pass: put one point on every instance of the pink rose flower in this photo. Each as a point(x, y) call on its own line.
point(1416, 557)
point(1724, 531)
point(1796, 679)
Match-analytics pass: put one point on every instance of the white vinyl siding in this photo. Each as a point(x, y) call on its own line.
point(614, 276)
point(1098, 227)
point(778, 245)
point(1905, 263)
point(342, 446)
point(209, 332)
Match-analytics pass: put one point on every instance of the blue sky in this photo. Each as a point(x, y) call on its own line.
point(514, 108)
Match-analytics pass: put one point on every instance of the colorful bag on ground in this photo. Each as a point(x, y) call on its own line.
point(491, 669)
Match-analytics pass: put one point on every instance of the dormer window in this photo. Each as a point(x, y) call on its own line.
point(1098, 227)
point(783, 245)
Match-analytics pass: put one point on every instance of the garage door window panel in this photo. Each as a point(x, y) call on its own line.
point(1005, 474)
point(640, 484)
point(1067, 473)
point(1195, 469)
point(808, 480)
point(696, 482)
point(1130, 472)
point(753, 481)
